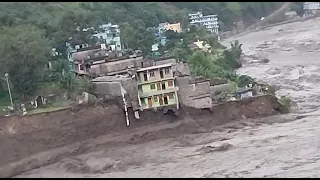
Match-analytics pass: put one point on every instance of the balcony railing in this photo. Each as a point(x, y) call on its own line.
point(158, 92)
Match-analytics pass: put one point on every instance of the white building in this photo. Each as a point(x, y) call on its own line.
point(210, 22)
point(311, 7)
point(111, 35)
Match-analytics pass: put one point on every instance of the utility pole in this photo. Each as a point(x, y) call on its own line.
point(7, 79)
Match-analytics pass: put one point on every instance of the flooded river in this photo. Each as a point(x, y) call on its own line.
point(288, 146)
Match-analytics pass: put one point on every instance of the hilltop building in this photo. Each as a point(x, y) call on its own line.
point(210, 22)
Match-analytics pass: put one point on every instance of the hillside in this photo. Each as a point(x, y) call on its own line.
point(30, 29)
point(149, 13)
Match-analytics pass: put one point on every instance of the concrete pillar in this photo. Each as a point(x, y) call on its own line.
point(177, 99)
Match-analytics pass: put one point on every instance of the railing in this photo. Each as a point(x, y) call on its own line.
point(158, 92)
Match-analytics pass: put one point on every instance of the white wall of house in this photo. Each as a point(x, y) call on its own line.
point(210, 22)
point(110, 34)
point(246, 94)
point(311, 5)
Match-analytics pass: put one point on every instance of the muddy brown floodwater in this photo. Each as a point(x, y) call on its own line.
point(287, 147)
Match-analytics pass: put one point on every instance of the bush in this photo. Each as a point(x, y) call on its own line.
point(286, 102)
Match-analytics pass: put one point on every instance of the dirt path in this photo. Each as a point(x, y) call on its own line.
point(289, 148)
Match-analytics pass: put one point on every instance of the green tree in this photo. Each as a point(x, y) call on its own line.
point(145, 41)
point(23, 54)
point(129, 36)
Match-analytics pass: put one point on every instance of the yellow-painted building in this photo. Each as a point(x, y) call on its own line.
point(174, 27)
point(202, 45)
point(156, 85)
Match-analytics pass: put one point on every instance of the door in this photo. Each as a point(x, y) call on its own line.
point(161, 74)
point(163, 85)
point(145, 76)
point(165, 99)
point(149, 102)
point(160, 100)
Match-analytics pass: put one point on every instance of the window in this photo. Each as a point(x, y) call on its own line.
point(152, 74)
point(161, 74)
point(155, 99)
point(163, 86)
point(158, 86)
point(152, 86)
point(81, 67)
point(170, 96)
point(167, 71)
point(170, 83)
point(145, 77)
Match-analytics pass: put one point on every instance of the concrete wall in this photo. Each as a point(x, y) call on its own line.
point(132, 93)
point(108, 89)
point(181, 69)
point(167, 61)
point(116, 66)
point(217, 89)
point(112, 90)
point(195, 95)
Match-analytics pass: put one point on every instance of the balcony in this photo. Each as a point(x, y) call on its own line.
point(211, 23)
point(210, 19)
point(156, 92)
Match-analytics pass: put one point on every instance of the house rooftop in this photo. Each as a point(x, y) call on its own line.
point(243, 90)
point(90, 48)
point(214, 15)
point(117, 78)
point(197, 13)
point(155, 67)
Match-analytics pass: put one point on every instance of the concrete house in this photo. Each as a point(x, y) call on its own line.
point(156, 87)
point(110, 34)
point(194, 93)
point(80, 55)
point(210, 22)
point(167, 26)
point(203, 45)
point(243, 93)
point(311, 7)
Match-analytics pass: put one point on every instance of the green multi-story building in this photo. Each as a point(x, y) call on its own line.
point(156, 87)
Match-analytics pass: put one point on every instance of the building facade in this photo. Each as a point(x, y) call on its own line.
point(210, 22)
point(156, 87)
point(110, 34)
point(166, 26)
point(311, 7)
point(79, 54)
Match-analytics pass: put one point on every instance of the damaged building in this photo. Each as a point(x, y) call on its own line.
point(156, 87)
point(194, 92)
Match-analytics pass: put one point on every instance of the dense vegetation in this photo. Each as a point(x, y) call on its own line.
point(217, 63)
point(30, 29)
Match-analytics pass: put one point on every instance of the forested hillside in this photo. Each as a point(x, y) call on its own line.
point(28, 30)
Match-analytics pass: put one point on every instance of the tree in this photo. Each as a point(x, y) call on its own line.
point(145, 41)
point(128, 36)
point(23, 54)
point(236, 49)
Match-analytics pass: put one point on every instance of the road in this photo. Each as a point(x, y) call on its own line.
point(287, 146)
